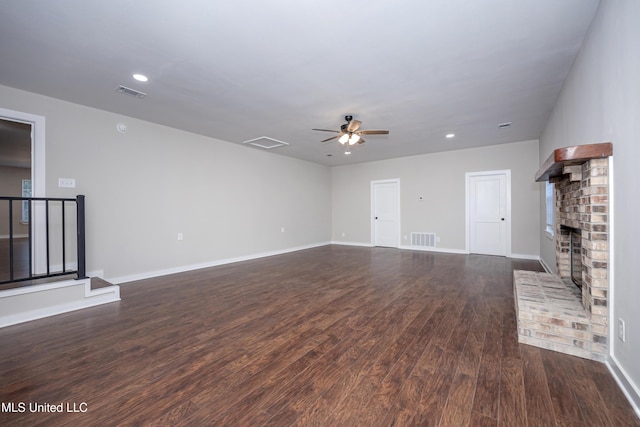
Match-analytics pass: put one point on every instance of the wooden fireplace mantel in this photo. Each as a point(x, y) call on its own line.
point(569, 156)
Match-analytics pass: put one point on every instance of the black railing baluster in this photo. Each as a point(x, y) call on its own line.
point(64, 234)
point(46, 213)
point(30, 234)
point(81, 271)
point(82, 268)
point(11, 240)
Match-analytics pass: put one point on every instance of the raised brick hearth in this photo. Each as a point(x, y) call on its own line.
point(553, 312)
point(551, 315)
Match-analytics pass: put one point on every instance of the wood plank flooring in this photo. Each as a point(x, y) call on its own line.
point(20, 261)
point(331, 336)
point(20, 265)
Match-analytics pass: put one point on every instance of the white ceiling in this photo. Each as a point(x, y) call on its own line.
point(239, 70)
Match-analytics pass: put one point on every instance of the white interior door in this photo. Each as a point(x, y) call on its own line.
point(385, 212)
point(488, 209)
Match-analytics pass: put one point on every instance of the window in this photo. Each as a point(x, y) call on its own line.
point(26, 192)
point(549, 190)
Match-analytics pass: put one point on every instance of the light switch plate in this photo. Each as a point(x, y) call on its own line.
point(66, 183)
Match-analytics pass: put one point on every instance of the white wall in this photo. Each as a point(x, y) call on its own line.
point(145, 186)
point(440, 179)
point(600, 102)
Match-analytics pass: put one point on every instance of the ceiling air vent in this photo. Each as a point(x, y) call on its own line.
point(265, 142)
point(131, 92)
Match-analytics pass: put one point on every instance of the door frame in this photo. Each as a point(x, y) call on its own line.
point(38, 180)
point(37, 147)
point(467, 206)
point(373, 205)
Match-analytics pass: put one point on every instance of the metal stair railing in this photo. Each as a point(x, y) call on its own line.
point(47, 207)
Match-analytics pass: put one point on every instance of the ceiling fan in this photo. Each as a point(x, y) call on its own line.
point(351, 133)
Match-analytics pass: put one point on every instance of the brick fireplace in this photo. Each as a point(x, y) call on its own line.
point(553, 312)
point(582, 203)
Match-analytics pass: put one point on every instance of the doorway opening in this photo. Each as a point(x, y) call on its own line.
point(15, 181)
point(22, 169)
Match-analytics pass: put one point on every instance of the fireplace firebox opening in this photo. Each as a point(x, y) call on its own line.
point(575, 256)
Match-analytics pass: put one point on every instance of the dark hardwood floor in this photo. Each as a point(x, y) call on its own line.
point(20, 260)
point(20, 266)
point(332, 336)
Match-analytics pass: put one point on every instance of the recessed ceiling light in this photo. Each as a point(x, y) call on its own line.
point(504, 125)
point(140, 77)
point(450, 135)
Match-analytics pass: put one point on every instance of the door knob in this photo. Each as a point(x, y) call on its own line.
point(501, 219)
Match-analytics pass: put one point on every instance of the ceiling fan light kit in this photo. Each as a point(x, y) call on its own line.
point(351, 133)
point(351, 138)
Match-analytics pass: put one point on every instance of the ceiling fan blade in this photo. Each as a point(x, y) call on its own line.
point(327, 130)
point(354, 125)
point(329, 139)
point(373, 132)
point(361, 141)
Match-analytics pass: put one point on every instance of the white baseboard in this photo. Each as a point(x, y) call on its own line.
point(524, 256)
point(628, 387)
point(339, 242)
point(164, 272)
point(443, 250)
point(546, 267)
point(404, 247)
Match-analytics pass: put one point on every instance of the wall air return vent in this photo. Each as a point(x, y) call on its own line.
point(265, 142)
point(423, 240)
point(131, 92)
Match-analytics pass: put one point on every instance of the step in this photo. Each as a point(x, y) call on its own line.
point(26, 303)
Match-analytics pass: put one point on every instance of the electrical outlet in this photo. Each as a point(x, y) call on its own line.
point(180, 236)
point(437, 239)
point(282, 229)
point(344, 234)
point(622, 333)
